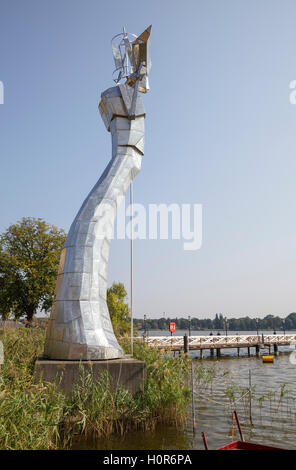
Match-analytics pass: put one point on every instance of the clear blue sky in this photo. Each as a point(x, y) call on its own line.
point(220, 131)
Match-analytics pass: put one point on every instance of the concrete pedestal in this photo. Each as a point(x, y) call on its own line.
point(126, 372)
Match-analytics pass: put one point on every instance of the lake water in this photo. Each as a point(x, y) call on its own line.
point(274, 418)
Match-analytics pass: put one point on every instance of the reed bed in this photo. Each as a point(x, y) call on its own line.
point(39, 416)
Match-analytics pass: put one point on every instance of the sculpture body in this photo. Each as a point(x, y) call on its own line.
point(80, 325)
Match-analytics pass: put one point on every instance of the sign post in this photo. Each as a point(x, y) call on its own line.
point(172, 327)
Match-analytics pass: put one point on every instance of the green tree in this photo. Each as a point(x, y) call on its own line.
point(291, 321)
point(118, 309)
point(29, 259)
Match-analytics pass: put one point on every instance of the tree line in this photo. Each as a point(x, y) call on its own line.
point(269, 322)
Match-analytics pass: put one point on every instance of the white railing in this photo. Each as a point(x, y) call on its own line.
point(230, 341)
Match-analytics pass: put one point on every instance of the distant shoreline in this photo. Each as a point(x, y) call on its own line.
point(220, 323)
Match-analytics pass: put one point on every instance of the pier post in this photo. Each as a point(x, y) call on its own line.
point(276, 349)
point(257, 350)
point(201, 353)
point(185, 344)
point(218, 352)
point(249, 351)
point(238, 351)
point(212, 352)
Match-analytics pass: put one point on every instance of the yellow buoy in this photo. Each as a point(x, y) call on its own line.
point(267, 358)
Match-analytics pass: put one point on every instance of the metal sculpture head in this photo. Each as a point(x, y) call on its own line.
point(132, 59)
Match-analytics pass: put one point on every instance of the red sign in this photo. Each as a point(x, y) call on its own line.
point(172, 327)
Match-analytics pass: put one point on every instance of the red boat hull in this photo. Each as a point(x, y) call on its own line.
point(242, 445)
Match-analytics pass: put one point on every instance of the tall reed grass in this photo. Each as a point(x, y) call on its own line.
point(39, 416)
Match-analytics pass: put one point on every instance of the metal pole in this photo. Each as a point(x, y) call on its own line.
point(192, 392)
point(185, 344)
point(250, 395)
point(132, 256)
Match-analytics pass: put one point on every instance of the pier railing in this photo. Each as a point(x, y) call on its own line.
point(209, 342)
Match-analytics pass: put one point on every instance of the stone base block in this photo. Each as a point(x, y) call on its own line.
point(126, 372)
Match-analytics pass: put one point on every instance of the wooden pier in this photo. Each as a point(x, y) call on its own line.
point(200, 343)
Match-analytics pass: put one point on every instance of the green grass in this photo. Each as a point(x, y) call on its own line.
point(38, 416)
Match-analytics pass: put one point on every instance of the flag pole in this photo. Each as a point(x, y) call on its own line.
point(131, 273)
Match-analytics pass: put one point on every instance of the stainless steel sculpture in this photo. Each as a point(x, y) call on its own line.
point(79, 325)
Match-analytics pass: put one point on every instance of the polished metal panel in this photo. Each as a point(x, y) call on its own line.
point(141, 49)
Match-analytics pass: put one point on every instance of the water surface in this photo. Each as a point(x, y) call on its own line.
point(274, 419)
